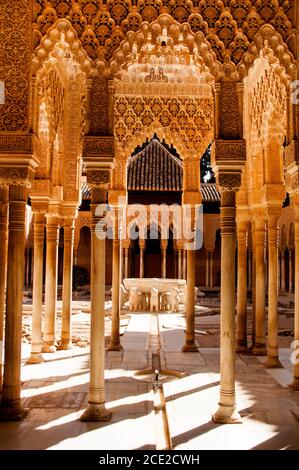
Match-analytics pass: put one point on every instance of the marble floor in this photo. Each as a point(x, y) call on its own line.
point(55, 393)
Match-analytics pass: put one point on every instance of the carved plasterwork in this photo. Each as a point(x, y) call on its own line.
point(230, 26)
point(15, 50)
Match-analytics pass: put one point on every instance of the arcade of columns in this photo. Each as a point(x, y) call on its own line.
point(91, 97)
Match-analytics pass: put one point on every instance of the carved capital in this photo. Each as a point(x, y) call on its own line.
point(228, 181)
point(99, 178)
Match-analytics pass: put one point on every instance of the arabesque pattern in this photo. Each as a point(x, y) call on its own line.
point(229, 25)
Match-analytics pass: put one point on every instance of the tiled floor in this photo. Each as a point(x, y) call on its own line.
point(56, 394)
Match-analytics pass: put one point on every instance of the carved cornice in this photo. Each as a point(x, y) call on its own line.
point(98, 146)
point(229, 151)
point(19, 158)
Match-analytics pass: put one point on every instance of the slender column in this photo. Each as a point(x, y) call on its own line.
point(249, 269)
point(211, 269)
point(163, 249)
point(227, 412)
point(126, 263)
point(283, 270)
point(37, 299)
point(180, 274)
point(253, 287)
point(67, 287)
point(295, 355)
point(3, 268)
point(141, 261)
point(184, 264)
point(190, 344)
point(115, 338)
point(279, 269)
point(52, 237)
point(96, 410)
point(259, 245)
point(207, 269)
point(291, 271)
point(272, 357)
point(242, 288)
point(11, 406)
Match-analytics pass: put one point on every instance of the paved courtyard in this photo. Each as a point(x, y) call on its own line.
point(175, 413)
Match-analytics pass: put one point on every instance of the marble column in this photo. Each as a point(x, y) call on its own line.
point(115, 338)
point(3, 268)
point(67, 287)
point(11, 407)
point(96, 410)
point(52, 238)
point(190, 343)
point(141, 260)
point(291, 287)
point(295, 355)
point(227, 412)
point(259, 348)
point(211, 269)
point(241, 345)
point(272, 347)
point(180, 263)
point(37, 299)
point(207, 269)
point(126, 263)
point(185, 264)
point(163, 250)
point(249, 269)
point(282, 271)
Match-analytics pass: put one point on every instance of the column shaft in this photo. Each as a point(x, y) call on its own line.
point(291, 271)
point(11, 407)
point(190, 344)
point(260, 334)
point(141, 267)
point(242, 291)
point(37, 299)
point(126, 262)
point(96, 410)
point(295, 356)
point(67, 288)
point(115, 339)
point(283, 271)
point(227, 412)
point(207, 269)
point(211, 269)
point(3, 269)
point(272, 357)
point(52, 236)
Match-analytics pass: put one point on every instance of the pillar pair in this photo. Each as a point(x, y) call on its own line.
point(262, 219)
point(52, 240)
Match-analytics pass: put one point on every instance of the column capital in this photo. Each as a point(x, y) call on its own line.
point(164, 243)
point(142, 243)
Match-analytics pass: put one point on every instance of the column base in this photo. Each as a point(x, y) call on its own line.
point(65, 345)
point(294, 385)
point(96, 412)
point(190, 347)
point(259, 350)
point(272, 363)
point(115, 346)
point(48, 348)
point(35, 358)
point(227, 415)
point(12, 411)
